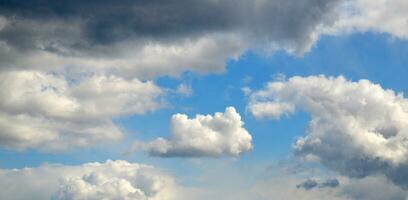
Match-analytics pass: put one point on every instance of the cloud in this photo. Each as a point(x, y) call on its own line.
point(366, 15)
point(311, 183)
point(274, 182)
point(155, 38)
point(372, 188)
point(368, 188)
point(132, 60)
point(308, 184)
point(131, 41)
point(246, 90)
point(49, 112)
point(277, 184)
point(185, 90)
point(109, 180)
point(330, 183)
point(273, 110)
point(147, 39)
point(125, 180)
point(219, 135)
point(357, 128)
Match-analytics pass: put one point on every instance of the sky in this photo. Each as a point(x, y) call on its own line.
point(211, 99)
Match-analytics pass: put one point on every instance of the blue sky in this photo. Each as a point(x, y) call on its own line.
point(127, 70)
point(376, 57)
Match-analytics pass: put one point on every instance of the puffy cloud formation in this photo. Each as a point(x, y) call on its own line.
point(357, 128)
point(49, 112)
point(109, 180)
point(118, 180)
point(219, 135)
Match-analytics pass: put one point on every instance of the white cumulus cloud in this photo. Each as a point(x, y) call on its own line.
point(357, 128)
point(222, 134)
point(46, 111)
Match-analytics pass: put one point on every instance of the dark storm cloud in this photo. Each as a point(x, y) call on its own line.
point(108, 21)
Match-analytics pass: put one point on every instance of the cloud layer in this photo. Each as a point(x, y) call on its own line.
point(48, 112)
point(357, 128)
point(219, 135)
point(109, 180)
point(128, 37)
point(368, 188)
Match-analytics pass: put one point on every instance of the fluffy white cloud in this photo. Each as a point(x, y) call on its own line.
point(357, 128)
point(219, 135)
point(109, 180)
point(48, 112)
point(383, 16)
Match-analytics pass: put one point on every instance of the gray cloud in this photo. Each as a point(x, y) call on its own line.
point(109, 21)
point(308, 184)
point(91, 34)
point(311, 183)
point(94, 34)
point(330, 183)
